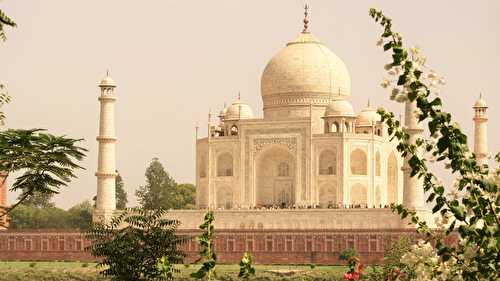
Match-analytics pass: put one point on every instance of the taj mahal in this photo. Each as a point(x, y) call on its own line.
point(310, 149)
point(312, 159)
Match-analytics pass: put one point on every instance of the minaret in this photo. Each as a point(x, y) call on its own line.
point(413, 191)
point(106, 163)
point(480, 131)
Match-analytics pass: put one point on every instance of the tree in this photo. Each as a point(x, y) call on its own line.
point(472, 205)
point(158, 189)
point(47, 162)
point(207, 250)
point(80, 216)
point(121, 194)
point(133, 244)
point(38, 200)
point(32, 217)
point(184, 196)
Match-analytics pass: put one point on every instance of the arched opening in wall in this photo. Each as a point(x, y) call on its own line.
point(275, 177)
point(379, 132)
point(347, 127)
point(328, 162)
point(283, 169)
point(392, 179)
point(359, 195)
point(224, 197)
point(234, 130)
point(202, 166)
point(335, 127)
point(358, 162)
point(378, 197)
point(225, 165)
point(377, 164)
point(327, 196)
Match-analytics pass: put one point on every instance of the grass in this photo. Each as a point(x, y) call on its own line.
point(81, 271)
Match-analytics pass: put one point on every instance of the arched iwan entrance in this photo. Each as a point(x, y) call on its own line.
point(275, 177)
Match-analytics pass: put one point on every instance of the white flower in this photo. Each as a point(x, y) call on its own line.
point(421, 91)
point(385, 83)
point(479, 224)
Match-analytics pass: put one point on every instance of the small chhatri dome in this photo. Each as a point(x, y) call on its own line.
point(368, 116)
point(107, 81)
point(304, 69)
point(339, 107)
point(480, 102)
point(238, 110)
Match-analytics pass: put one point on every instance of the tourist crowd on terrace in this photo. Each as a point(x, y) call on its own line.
point(294, 206)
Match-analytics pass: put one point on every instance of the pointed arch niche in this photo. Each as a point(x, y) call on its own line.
point(328, 162)
point(392, 179)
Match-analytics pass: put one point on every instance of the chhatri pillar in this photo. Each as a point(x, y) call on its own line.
point(480, 131)
point(106, 163)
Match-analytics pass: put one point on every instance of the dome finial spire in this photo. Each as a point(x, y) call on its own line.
point(306, 20)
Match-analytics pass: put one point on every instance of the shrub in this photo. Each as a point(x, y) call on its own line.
point(345, 255)
point(146, 238)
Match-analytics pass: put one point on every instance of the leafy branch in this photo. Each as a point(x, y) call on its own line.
point(5, 21)
point(475, 213)
point(207, 252)
point(47, 162)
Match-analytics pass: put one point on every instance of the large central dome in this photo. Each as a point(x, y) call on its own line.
point(304, 72)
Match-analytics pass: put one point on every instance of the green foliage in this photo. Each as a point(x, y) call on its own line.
point(47, 162)
point(392, 266)
point(33, 264)
point(184, 196)
point(246, 268)
point(161, 190)
point(345, 255)
point(33, 217)
point(39, 200)
point(165, 268)
point(5, 21)
point(4, 99)
point(475, 213)
point(159, 184)
point(130, 246)
point(121, 194)
point(80, 216)
point(207, 251)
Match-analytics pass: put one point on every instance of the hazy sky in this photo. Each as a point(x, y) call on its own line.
point(173, 60)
